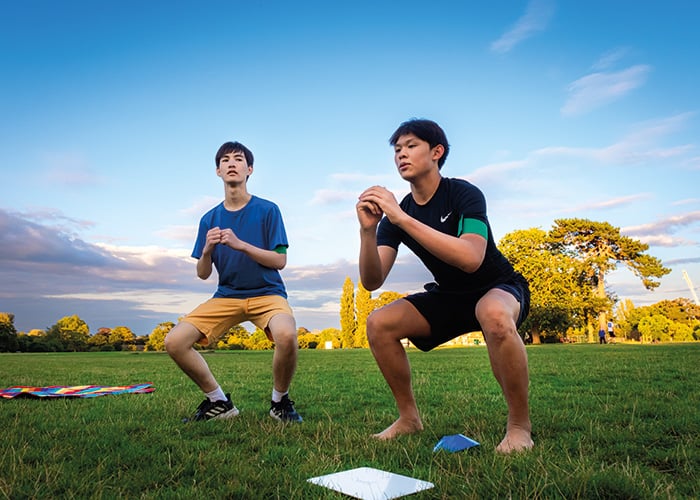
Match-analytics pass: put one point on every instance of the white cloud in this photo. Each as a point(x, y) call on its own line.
point(535, 19)
point(665, 240)
point(182, 233)
point(495, 171)
point(161, 300)
point(693, 163)
point(609, 59)
point(660, 232)
point(637, 146)
point(331, 196)
point(685, 260)
point(612, 203)
point(361, 179)
point(689, 201)
point(668, 224)
point(598, 89)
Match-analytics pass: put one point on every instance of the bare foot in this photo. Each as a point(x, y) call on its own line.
point(401, 426)
point(515, 440)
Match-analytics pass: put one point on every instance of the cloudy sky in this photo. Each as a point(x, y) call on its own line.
point(111, 112)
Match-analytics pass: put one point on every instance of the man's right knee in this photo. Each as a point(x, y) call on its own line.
point(372, 327)
point(181, 338)
point(378, 326)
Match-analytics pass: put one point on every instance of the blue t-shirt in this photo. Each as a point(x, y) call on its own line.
point(455, 203)
point(258, 223)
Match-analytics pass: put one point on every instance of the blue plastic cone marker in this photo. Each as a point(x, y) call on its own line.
point(455, 442)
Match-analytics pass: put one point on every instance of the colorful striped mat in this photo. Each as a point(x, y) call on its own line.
point(74, 391)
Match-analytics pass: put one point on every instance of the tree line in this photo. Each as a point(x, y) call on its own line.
point(565, 266)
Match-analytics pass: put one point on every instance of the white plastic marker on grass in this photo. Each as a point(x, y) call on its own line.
point(455, 442)
point(367, 483)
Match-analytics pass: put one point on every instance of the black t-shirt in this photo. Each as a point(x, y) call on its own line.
point(454, 200)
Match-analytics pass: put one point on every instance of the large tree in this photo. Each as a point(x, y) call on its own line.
point(348, 324)
point(558, 301)
point(600, 247)
point(364, 305)
point(71, 331)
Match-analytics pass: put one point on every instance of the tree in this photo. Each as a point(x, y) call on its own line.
point(234, 339)
point(348, 323)
point(655, 328)
point(259, 342)
point(600, 247)
point(681, 310)
point(306, 339)
point(100, 340)
point(363, 307)
point(623, 319)
point(72, 332)
point(680, 332)
point(329, 334)
point(386, 298)
point(8, 333)
point(156, 340)
point(120, 336)
point(669, 320)
point(558, 300)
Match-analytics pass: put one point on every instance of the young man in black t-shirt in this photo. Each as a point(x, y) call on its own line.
point(443, 221)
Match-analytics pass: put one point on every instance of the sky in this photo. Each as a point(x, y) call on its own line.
point(111, 114)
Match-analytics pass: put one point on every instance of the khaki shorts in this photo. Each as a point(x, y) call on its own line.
point(216, 316)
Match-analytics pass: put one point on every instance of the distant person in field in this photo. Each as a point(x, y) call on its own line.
point(601, 336)
point(244, 238)
point(443, 221)
point(611, 330)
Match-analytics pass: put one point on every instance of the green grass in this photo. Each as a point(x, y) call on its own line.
point(615, 421)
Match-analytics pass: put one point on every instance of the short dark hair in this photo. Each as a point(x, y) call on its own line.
point(425, 130)
point(234, 147)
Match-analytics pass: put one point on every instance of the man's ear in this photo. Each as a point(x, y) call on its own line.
point(438, 151)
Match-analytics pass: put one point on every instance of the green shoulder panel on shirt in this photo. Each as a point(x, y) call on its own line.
point(281, 249)
point(472, 226)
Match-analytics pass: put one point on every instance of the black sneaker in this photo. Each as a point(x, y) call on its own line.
point(208, 410)
point(284, 410)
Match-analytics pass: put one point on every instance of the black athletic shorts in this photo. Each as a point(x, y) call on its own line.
point(451, 314)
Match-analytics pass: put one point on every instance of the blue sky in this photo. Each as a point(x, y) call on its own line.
point(111, 113)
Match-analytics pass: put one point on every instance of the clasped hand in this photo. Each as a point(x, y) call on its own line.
point(224, 237)
point(375, 202)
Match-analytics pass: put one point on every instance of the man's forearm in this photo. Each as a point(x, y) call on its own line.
point(369, 263)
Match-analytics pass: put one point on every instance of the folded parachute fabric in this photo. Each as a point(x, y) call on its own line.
point(75, 391)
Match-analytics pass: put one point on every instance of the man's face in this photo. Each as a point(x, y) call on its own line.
point(233, 167)
point(414, 156)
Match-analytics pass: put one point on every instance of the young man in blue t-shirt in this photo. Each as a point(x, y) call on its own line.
point(244, 239)
point(443, 221)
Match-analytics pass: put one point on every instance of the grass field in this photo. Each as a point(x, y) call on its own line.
point(611, 421)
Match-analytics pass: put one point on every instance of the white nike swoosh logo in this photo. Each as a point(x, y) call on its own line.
point(444, 218)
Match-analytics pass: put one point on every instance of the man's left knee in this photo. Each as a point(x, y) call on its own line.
point(497, 323)
point(284, 335)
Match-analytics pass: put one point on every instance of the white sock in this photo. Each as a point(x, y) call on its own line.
point(216, 395)
point(277, 396)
